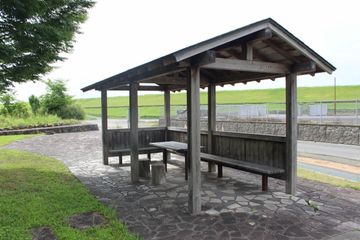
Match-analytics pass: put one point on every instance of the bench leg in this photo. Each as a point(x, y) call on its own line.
point(120, 159)
point(149, 156)
point(186, 167)
point(264, 183)
point(220, 171)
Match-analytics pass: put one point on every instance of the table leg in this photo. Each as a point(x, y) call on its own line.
point(120, 159)
point(165, 158)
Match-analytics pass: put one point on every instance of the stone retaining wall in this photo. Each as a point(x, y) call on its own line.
point(342, 134)
point(51, 130)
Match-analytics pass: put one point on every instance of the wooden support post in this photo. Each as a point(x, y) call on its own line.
point(167, 123)
point(193, 118)
point(291, 133)
point(167, 107)
point(104, 126)
point(211, 123)
point(134, 139)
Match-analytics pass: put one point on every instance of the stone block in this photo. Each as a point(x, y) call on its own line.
point(158, 175)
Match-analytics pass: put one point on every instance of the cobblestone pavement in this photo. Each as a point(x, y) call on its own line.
point(233, 207)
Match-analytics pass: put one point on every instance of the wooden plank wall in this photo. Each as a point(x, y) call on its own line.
point(260, 149)
point(120, 138)
point(180, 135)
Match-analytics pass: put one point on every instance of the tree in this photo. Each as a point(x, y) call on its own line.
point(33, 34)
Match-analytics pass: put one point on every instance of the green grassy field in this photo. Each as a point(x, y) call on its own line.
point(305, 94)
point(40, 191)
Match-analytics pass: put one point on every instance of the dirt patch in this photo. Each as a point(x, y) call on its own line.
point(43, 233)
point(329, 164)
point(87, 220)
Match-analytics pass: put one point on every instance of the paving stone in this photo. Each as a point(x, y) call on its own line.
point(161, 212)
point(294, 198)
point(228, 198)
point(241, 199)
point(215, 200)
point(212, 212)
point(286, 201)
point(233, 206)
point(253, 204)
point(244, 210)
point(271, 206)
point(295, 231)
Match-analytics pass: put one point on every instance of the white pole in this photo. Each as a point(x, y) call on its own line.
point(357, 111)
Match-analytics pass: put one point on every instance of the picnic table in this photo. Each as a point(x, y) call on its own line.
point(173, 147)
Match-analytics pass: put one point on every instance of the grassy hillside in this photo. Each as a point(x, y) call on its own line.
point(305, 94)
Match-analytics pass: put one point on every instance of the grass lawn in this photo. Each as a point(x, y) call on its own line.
point(40, 191)
point(339, 182)
point(4, 140)
point(305, 94)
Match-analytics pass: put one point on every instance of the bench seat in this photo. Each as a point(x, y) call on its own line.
point(263, 170)
point(127, 151)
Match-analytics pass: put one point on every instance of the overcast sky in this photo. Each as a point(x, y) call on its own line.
point(119, 35)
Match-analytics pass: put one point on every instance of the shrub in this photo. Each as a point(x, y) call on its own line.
point(56, 98)
point(7, 100)
point(20, 110)
point(34, 104)
point(13, 108)
point(72, 112)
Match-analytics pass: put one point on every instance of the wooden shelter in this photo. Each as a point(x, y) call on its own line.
point(259, 51)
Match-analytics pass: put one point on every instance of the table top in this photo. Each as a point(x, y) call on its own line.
point(170, 145)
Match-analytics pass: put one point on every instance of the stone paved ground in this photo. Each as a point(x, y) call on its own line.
point(233, 207)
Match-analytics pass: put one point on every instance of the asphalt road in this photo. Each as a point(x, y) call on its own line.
point(347, 154)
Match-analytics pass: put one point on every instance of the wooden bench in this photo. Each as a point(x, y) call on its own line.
point(264, 171)
point(127, 151)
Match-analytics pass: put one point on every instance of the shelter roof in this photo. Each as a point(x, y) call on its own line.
point(262, 50)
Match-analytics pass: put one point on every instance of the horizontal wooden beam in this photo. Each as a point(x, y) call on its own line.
point(247, 66)
point(141, 88)
point(245, 79)
point(142, 77)
point(203, 58)
point(304, 68)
